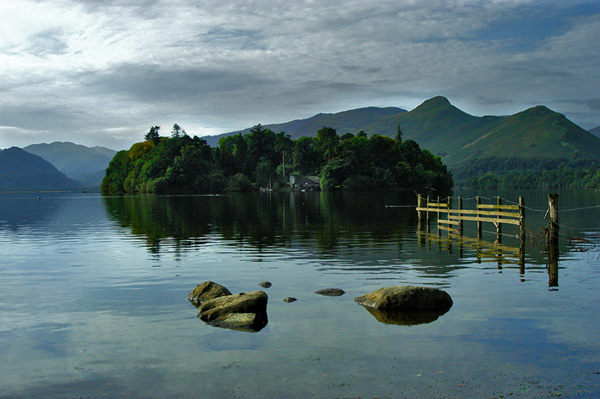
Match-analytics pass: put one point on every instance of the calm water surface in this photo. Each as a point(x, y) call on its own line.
point(93, 299)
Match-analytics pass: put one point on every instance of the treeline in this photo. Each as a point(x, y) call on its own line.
point(180, 164)
point(515, 172)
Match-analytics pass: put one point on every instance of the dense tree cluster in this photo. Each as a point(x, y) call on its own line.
point(516, 172)
point(180, 164)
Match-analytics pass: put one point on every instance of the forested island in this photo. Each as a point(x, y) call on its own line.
point(263, 159)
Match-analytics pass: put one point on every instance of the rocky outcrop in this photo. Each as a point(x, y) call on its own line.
point(205, 291)
point(406, 305)
point(244, 311)
point(331, 292)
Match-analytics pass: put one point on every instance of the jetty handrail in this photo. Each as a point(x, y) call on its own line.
point(497, 214)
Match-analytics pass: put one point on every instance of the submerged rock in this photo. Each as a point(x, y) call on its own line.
point(331, 292)
point(265, 284)
point(406, 305)
point(289, 299)
point(205, 291)
point(244, 311)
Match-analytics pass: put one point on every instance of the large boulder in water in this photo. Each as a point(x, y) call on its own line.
point(406, 305)
point(244, 311)
point(205, 291)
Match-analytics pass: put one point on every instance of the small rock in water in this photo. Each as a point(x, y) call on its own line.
point(289, 299)
point(331, 292)
point(205, 291)
point(265, 284)
point(407, 298)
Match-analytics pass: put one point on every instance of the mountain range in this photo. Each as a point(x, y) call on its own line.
point(436, 124)
point(56, 166)
point(22, 171)
point(86, 165)
point(456, 136)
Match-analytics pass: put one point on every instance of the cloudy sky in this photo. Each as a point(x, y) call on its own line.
point(101, 72)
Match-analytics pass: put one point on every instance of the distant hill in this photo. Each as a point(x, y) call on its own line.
point(84, 164)
point(456, 136)
point(595, 131)
point(351, 121)
point(535, 132)
point(22, 171)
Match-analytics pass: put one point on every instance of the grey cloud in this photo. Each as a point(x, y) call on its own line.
point(50, 42)
point(151, 83)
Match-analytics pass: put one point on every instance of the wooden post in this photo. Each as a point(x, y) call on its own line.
point(448, 213)
point(522, 235)
point(438, 217)
point(479, 223)
point(498, 224)
point(460, 222)
point(419, 211)
point(552, 240)
point(553, 226)
point(428, 220)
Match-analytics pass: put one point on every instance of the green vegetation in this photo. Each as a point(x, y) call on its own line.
point(517, 172)
point(180, 164)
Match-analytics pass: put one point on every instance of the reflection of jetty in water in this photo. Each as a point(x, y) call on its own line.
point(490, 252)
point(498, 214)
point(485, 251)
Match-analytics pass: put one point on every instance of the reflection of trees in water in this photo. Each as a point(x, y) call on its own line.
point(262, 220)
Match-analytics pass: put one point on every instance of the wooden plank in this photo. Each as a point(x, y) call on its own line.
point(437, 204)
point(434, 210)
point(455, 222)
point(493, 206)
point(486, 213)
point(491, 220)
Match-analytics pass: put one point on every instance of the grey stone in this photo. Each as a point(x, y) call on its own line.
point(331, 292)
point(205, 291)
point(406, 298)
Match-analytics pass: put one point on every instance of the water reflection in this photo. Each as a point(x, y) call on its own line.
point(485, 251)
point(404, 318)
point(262, 220)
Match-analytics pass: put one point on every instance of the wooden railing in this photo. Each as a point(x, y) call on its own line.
point(451, 219)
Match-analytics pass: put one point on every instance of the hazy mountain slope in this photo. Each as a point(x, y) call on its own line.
point(536, 132)
point(76, 161)
point(347, 121)
point(595, 131)
point(20, 170)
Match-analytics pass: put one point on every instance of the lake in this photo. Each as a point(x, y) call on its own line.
point(93, 298)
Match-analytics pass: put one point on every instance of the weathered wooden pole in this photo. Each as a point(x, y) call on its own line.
point(479, 223)
point(419, 211)
point(498, 223)
point(522, 235)
point(552, 240)
point(438, 217)
point(553, 226)
point(460, 221)
point(448, 213)
point(428, 220)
